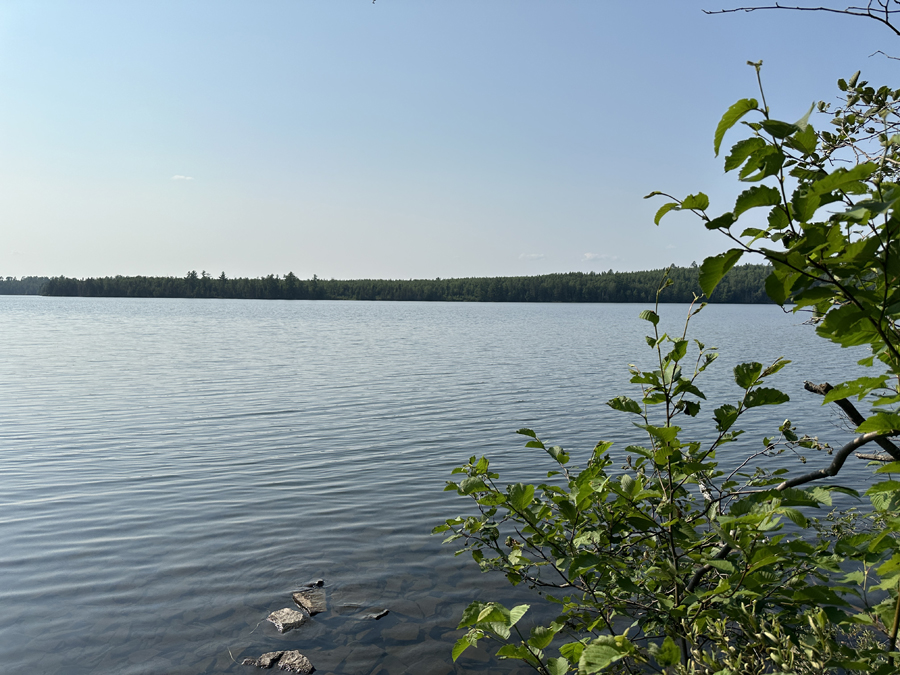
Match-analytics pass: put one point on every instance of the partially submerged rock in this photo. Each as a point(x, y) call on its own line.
point(295, 662)
point(267, 660)
point(377, 615)
point(292, 661)
point(286, 619)
point(311, 599)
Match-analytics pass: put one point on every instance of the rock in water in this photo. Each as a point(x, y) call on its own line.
point(311, 599)
point(286, 619)
point(267, 660)
point(292, 661)
point(295, 662)
point(377, 615)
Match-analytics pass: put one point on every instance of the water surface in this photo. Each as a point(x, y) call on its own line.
point(172, 469)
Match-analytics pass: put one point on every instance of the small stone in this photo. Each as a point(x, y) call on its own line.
point(377, 615)
point(286, 619)
point(311, 599)
point(295, 662)
point(267, 660)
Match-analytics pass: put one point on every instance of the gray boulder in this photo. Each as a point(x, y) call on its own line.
point(311, 599)
point(292, 661)
point(286, 619)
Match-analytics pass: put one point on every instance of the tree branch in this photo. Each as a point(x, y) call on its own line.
point(832, 469)
point(854, 415)
point(877, 10)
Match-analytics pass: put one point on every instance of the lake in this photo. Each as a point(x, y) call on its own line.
point(172, 469)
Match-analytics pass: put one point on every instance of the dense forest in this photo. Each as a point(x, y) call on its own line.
point(743, 284)
point(23, 286)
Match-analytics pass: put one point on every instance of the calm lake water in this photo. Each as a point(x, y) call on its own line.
point(172, 469)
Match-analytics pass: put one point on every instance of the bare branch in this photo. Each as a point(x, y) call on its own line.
point(832, 469)
point(854, 415)
point(877, 10)
point(874, 457)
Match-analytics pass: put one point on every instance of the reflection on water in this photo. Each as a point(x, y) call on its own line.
point(173, 469)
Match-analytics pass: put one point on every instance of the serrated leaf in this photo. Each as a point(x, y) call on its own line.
point(805, 203)
point(841, 178)
point(765, 396)
point(520, 496)
point(796, 516)
point(715, 267)
point(625, 404)
point(541, 637)
point(746, 374)
point(731, 117)
point(758, 195)
point(698, 202)
point(595, 658)
point(741, 150)
point(558, 666)
point(461, 645)
point(722, 565)
point(880, 422)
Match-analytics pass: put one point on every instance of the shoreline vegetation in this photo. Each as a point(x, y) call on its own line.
point(744, 284)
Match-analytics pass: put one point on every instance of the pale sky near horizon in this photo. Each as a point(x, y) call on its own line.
point(398, 139)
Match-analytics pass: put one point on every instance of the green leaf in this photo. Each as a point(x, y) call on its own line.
point(649, 315)
point(669, 654)
point(779, 129)
point(572, 651)
point(746, 374)
point(698, 202)
point(796, 516)
point(779, 285)
point(777, 218)
point(726, 220)
point(805, 140)
point(461, 645)
point(722, 565)
point(664, 209)
point(803, 122)
point(841, 178)
point(725, 416)
point(520, 496)
point(883, 423)
point(805, 203)
point(517, 613)
point(858, 387)
point(527, 432)
point(765, 396)
point(595, 658)
point(541, 637)
point(758, 195)
point(715, 267)
point(731, 117)
point(624, 404)
point(741, 150)
point(558, 666)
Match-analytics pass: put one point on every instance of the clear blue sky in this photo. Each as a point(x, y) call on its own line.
point(394, 140)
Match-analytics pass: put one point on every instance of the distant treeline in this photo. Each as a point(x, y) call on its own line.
point(743, 284)
point(23, 286)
